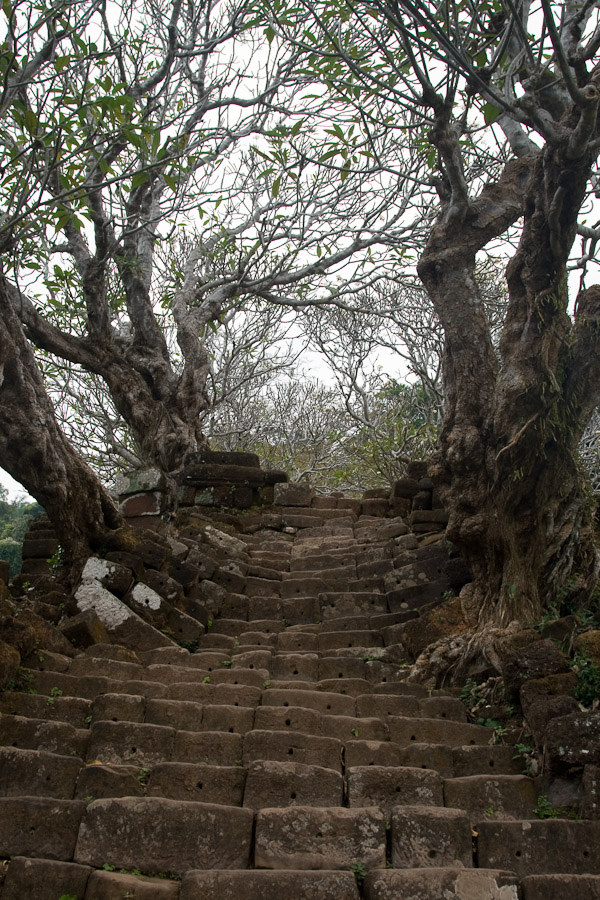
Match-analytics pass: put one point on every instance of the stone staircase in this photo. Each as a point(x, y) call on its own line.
point(286, 756)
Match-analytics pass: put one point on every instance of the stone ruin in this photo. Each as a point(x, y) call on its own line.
point(226, 710)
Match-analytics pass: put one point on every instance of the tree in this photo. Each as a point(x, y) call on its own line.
point(503, 101)
point(120, 142)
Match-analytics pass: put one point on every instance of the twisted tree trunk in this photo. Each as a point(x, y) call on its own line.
point(506, 467)
point(35, 451)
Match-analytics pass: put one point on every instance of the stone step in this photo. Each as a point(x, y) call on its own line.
point(154, 835)
point(305, 837)
point(292, 746)
point(272, 784)
point(72, 710)
point(263, 884)
point(387, 787)
point(39, 734)
point(486, 797)
point(39, 826)
point(451, 883)
point(540, 847)
point(198, 782)
point(436, 731)
point(560, 887)
point(39, 772)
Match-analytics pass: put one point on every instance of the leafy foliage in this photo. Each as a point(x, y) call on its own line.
point(14, 521)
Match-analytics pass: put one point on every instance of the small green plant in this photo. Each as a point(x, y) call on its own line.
point(545, 810)
point(588, 680)
point(88, 720)
point(359, 871)
point(470, 693)
point(89, 799)
point(448, 595)
point(142, 776)
point(490, 810)
point(21, 682)
point(209, 624)
point(190, 646)
point(67, 897)
point(56, 561)
point(54, 693)
point(109, 868)
point(355, 732)
point(206, 679)
point(227, 663)
point(266, 685)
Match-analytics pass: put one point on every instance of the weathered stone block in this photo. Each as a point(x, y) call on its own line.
point(536, 847)
point(99, 781)
point(292, 746)
point(157, 835)
point(273, 784)
point(425, 836)
point(387, 787)
point(449, 883)
point(44, 879)
point(115, 886)
point(215, 748)
point(435, 731)
point(140, 480)
point(130, 743)
point(322, 701)
point(38, 773)
point(313, 838)
point(561, 887)
point(39, 827)
point(494, 797)
point(268, 885)
point(293, 494)
point(573, 740)
point(201, 783)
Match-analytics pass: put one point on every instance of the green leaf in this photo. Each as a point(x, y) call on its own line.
point(297, 128)
point(31, 121)
point(140, 178)
point(276, 186)
point(490, 113)
point(61, 62)
point(269, 34)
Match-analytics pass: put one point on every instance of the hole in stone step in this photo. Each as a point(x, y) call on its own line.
point(199, 785)
point(397, 790)
point(423, 766)
point(236, 703)
point(15, 744)
point(443, 716)
point(518, 853)
point(432, 854)
point(413, 737)
point(251, 665)
point(319, 834)
point(291, 751)
point(295, 671)
point(384, 680)
point(371, 763)
point(47, 778)
point(114, 718)
point(491, 763)
point(134, 749)
point(231, 731)
point(586, 854)
point(288, 721)
point(286, 703)
point(340, 674)
point(329, 706)
point(293, 795)
point(472, 743)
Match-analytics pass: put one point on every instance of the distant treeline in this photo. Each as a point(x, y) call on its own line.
point(14, 519)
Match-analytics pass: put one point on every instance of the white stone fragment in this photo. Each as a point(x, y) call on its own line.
point(145, 596)
point(96, 569)
point(109, 609)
